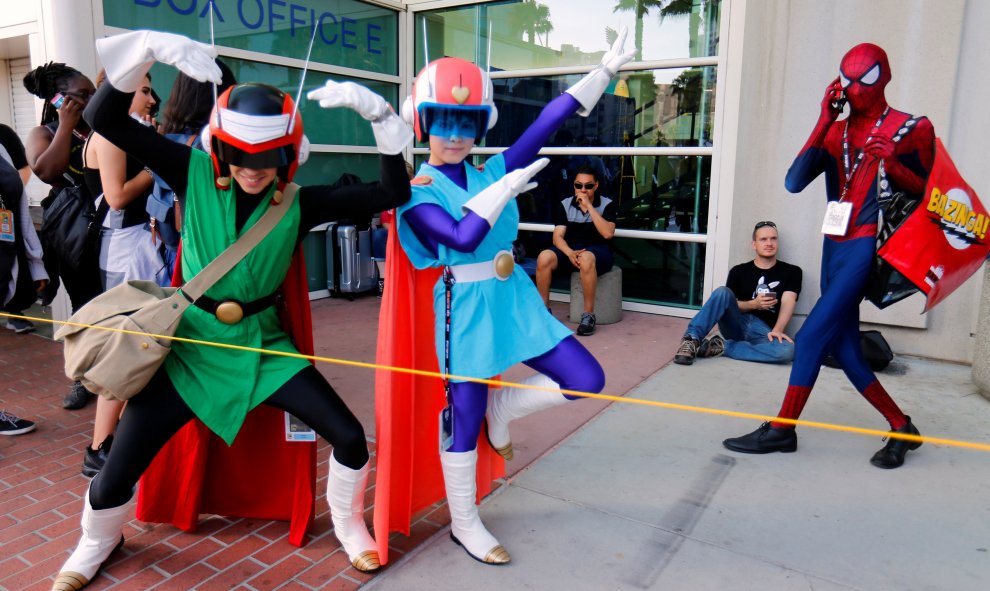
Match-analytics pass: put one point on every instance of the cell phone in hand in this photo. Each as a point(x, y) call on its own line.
point(58, 100)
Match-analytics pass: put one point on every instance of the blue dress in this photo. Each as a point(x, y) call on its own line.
point(494, 323)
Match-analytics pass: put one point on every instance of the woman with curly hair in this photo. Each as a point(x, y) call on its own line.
point(54, 151)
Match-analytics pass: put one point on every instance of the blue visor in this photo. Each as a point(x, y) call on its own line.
point(465, 122)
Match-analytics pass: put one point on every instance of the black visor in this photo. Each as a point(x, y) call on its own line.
point(274, 158)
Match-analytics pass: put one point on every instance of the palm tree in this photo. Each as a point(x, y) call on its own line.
point(532, 19)
point(666, 9)
point(641, 8)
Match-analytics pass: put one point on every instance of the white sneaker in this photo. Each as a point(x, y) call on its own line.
point(19, 325)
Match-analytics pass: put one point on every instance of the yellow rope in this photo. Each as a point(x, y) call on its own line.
point(500, 383)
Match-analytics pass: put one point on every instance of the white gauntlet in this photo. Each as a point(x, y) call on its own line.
point(391, 133)
point(589, 89)
point(128, 57)
point(491, 201)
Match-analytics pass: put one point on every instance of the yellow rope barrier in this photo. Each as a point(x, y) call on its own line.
point(657, 404)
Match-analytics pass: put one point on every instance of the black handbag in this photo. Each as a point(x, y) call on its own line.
point(876, 351)
point(71, 225)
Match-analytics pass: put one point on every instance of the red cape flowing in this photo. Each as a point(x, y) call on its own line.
point(260, 476)
point(407, 407)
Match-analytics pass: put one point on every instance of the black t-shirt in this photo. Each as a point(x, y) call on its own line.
point(581, 230)
point(747, 279)
point(12, 143)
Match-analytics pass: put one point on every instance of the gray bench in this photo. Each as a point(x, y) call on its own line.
point(608, 297)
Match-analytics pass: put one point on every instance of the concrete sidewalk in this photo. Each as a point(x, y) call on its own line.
point(647, 498)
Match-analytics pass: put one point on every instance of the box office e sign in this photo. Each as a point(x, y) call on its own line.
point(280, 27)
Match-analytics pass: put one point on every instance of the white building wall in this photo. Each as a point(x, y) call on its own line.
point(790, 52)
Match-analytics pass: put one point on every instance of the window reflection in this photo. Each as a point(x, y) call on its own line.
point(553, 33)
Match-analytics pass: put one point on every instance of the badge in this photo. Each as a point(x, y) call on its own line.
point(296, 430)
point(837, 218)
point(446, 428)
point(6, 225)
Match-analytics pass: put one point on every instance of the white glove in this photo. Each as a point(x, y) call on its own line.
point(128, 57)
point(589, 89)
point(491, 201)
point(391, 133)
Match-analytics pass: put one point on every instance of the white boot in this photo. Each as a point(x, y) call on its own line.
point(466, 529)
point(345, 493)
point(510, 403)
point(102, 533)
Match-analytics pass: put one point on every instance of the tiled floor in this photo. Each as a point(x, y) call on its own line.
point(41, 488)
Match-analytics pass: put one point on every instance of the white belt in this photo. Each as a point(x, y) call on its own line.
point(499, 268)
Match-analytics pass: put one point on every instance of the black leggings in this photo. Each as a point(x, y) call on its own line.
point(158, 412)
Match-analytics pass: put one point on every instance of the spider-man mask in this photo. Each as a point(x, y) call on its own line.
point(864, 73)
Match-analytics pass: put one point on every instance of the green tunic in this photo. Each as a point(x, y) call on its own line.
point(221, 385)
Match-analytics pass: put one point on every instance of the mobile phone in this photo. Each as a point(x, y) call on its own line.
point(58, 100)
point(840, 101)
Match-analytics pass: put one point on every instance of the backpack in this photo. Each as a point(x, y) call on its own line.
point(161, 205)
point(876, 351)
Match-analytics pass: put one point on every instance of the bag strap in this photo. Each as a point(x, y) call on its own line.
point(218, 267)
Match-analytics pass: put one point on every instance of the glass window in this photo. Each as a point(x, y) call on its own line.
point(658, 272)
point(652, 108)
point(350, 33)
point(552, 33)
point(323, 126)
point(325, 169)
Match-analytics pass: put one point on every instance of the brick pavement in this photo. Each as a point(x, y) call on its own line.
point(41, 491)
point(41, 488)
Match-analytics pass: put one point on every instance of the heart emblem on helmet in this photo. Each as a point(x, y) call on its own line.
point(460, 94)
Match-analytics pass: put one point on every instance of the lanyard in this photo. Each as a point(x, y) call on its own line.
point(448, 281)
point(859, 158)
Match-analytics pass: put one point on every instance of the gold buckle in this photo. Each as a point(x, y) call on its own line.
point(229, 312)
point(503, 263)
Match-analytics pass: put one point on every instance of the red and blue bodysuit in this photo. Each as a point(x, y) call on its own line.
point(849, 153)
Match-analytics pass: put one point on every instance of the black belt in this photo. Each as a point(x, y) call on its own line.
point(230, 311)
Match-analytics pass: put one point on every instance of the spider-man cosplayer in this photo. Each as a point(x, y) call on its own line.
point(256, 143)
point(865, 157)
point(463, 220)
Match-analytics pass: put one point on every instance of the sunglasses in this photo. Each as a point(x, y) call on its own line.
point(585, 186)
point(765, 225)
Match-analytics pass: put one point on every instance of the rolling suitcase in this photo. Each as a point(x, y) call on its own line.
point(350, 267)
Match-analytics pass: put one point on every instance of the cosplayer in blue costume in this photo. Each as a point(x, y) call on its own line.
point(875, 147)
point(465, 220)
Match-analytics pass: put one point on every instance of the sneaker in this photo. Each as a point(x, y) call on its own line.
point(94, 459)
point(19, 325)
point(77, 397)
point(713, 347)
point(381, 286)
point(11, 425)
point(587, 326)
point(687, 351)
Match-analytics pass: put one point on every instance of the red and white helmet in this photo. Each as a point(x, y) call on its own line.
point(255, 126)
point(450, 83)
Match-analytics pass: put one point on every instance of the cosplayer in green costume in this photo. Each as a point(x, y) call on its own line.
point(256, 143)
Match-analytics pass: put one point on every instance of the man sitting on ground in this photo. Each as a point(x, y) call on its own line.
point(587, 220)
point(751, 310)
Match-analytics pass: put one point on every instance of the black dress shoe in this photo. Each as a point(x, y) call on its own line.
point(892, 454)
point(94, 459)
point(77, 397)
point(764, 440)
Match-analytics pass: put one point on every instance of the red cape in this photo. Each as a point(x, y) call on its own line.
point(408, 474)
point(260, 476)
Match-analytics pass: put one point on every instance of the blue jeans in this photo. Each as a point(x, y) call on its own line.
point(745, 335)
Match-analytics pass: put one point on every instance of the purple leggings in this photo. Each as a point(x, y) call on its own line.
point(569, 364)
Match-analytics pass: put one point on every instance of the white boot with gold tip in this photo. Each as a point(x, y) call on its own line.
point(345, 493)
point(466, 529)
point(102, 533)
point(509, 403)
